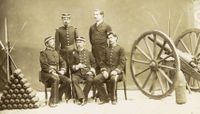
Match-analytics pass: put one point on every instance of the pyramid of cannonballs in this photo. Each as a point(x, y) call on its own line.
point(18, 93)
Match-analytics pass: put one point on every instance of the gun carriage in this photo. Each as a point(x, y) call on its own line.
point(155, 60)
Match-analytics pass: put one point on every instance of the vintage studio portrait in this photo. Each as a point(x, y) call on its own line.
point(99, 56)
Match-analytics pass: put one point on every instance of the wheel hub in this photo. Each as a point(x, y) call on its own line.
point(153, 65)
point(196, 61)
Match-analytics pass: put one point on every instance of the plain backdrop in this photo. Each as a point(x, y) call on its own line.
point(30, 21)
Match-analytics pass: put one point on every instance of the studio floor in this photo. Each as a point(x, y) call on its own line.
point(137, 103)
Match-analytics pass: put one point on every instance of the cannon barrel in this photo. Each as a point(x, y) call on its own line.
point(187, 64)
point(185, 56)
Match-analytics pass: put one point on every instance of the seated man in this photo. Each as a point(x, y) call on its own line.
point(111, 69)
point(82, 68)
point(53, 68)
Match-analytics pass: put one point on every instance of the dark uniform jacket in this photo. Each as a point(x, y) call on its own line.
point(98, 39)
point(49, 61)
point(65, 37)
point(98, 34)
point(113, 59)
point(85, 57)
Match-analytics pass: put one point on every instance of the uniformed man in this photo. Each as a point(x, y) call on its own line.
point(83, 69)
point(53, 67)
point(112, 67)
point(65, 38)
point(98, 36)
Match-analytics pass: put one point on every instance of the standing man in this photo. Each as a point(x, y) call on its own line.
point(83, 68)
point(112, 66)
point(65, 38)
point(53, 68)
point(98, 36)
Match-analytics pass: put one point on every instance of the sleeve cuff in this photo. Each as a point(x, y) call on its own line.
point(118, 70)
point(51, 70)
point(63, 69)
point(93, 70)
point(103, 69)
point(52, 67)
point(74, 67)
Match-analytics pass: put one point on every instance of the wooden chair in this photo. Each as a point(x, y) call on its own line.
point(46, 86)
point(124, 83)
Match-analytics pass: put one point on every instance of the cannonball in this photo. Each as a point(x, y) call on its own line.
point(17, 71)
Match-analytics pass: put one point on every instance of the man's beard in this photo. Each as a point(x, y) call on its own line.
point(111, 43)
point(53, 47)
point(79, 48)
point(66, 24)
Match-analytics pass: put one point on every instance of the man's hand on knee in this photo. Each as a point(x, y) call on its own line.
point(89, 73)
point(113, 73)
point(105, 74)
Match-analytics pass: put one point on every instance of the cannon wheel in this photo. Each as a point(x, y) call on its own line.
point(189, 42)
point(151, 69)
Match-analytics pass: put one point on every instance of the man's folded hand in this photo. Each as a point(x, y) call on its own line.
point(89, 73)
point(61, 72)
point(113, 73)
point(54, 73)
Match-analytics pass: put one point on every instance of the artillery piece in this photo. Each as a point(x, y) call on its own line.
point(188, 42)
point(155, 61)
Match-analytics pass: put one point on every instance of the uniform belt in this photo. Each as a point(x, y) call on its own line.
point(68, 47)
point(112, 66)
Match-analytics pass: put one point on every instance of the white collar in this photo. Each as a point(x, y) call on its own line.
point(99, 22)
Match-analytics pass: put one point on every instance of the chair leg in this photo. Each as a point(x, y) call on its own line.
point(46, 94)
point(116, 92)
point(125, 94)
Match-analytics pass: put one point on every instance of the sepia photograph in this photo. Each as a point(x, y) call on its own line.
point(99, 56)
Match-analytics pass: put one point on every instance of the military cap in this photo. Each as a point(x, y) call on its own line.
point(66, 15)
point(80, 39)
point(112, 33)
point(48, 38)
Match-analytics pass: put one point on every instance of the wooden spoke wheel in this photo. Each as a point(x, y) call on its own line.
point(154, 62)
point(188, 42)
